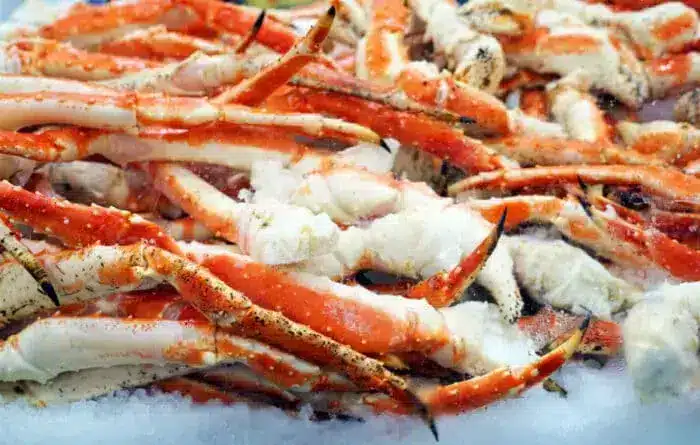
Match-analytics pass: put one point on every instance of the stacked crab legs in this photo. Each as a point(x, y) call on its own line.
point(109, 251)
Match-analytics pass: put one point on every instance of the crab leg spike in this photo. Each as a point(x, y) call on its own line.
point(24, 256)
point(249, 38)
point(443, 288)
point(255, 90)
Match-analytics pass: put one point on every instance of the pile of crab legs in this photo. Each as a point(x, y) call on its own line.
point(231, 182)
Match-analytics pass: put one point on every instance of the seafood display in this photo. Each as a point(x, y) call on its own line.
point(362, 206)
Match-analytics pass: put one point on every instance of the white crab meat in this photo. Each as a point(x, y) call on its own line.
point(661, 341)
point(480, 329)
point(406, 214)
point(558, 274)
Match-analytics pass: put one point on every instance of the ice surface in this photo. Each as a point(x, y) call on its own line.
point(601, 409)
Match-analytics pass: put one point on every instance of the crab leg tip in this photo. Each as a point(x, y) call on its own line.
point(500, 227)
point(581, 183)
point(586, 206)
point(586, 321)
point(50, 292)
point(259, 21)
point(464, 120)
point(331, 11)
point(384, 145)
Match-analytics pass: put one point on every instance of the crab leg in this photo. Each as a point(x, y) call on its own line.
point(38, 57)
point(602, 338)
point(234, 146)
point(667, 183)
point(608, 235)
point(158, 44)
point(86, 384)
point(557, 151)
point(273, 233)
point(475, 59)
point(443, 288)
point(255, 90)
point(553, 49)
point(76, 224)
point(671, 72)
point(398, 324)
point(421, 132)
point(91, 26)
point(467, 395)
point(673, 142)
point(131, 112)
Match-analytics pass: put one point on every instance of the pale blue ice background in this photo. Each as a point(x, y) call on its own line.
point(601, 409)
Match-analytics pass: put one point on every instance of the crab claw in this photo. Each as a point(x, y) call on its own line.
point(249, 38)
point(502, 383)
point(443, 288)
point(256, 89)
point(466, 395)
point(10, 244)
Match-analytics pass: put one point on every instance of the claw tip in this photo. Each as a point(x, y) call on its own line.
point(384, 145)
point(259, 21)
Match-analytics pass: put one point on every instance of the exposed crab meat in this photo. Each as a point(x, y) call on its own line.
point(475, 59)
point(652, 32)
point(676, 143)
point(661, 341)
point(577, 112)
point(673, 72)
point(124, 268)
point(560, 275)
point(273, 233)
point(103, 184)
point(558, 46)
point(444, 237)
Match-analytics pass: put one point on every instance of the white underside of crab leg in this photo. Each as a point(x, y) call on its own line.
point(87, 384)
